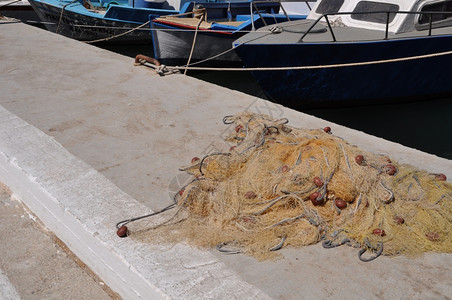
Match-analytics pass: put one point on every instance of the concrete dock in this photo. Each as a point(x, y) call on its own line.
point(87, 139)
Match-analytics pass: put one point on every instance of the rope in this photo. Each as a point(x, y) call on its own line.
point(147, 29)
point(191, 67)
point(224, 52)
point(118, 35)
point(179, 15)
point(125, 222)
point(61, 15)
point(378, 251)
point(99, 40)
point(194, 41)
point(366, 63)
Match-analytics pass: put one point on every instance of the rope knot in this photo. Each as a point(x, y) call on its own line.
point(161, 70)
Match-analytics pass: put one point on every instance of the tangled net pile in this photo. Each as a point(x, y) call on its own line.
point(282, 186)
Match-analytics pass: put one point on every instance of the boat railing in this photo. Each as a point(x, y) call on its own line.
point(388, 16)
point(254, 8)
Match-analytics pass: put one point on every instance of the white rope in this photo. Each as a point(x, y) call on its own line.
point(226, 51)
point(61, 15)
point(194, 40)
point(147, 29)
point(118, 35)
point(190, 67)
point(314, 67)
point(212, 57)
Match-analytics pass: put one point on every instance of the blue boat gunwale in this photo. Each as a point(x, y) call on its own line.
point(220, 27)
point(154, 12)
point(118, 24)
point(267, 10)
point(126, 12)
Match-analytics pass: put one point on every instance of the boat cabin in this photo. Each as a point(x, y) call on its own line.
point(396, 16)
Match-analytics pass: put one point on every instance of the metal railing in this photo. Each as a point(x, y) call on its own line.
point(253, 4)
point(388, 14)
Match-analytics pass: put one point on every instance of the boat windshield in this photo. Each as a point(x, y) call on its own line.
point(329, 7)
point(395, 16)
point(445, 6)
point(369, 6)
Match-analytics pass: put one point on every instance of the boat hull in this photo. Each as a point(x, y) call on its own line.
point(381, 82)
point(21, 10)
point(89, 28)
point(172, 45)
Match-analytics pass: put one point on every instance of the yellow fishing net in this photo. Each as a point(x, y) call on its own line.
point(281, 186)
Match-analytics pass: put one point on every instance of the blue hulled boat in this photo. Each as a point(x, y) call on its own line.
point(355, 52)
point(117, 21)
point(205, 31)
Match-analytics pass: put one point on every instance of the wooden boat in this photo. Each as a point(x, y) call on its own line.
point(205, 32)
point(100, 21)
point(355, 52)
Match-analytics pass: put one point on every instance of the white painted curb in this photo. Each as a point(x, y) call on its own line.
point(82, 207)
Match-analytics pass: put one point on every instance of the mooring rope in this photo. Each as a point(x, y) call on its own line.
point(310, 67)
point(61, 15)
point(103, 39)
point(189, 66)
point(194, 40)
point(224, 52)
point(143, 29)
point(131, 30)
point(118, 35)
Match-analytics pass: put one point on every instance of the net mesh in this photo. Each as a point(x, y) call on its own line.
point(281, 186)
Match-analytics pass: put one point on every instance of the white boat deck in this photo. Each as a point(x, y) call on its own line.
point(294, 30)
point(87, 140)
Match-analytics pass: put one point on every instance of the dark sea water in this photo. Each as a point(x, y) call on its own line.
point(426, 126)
